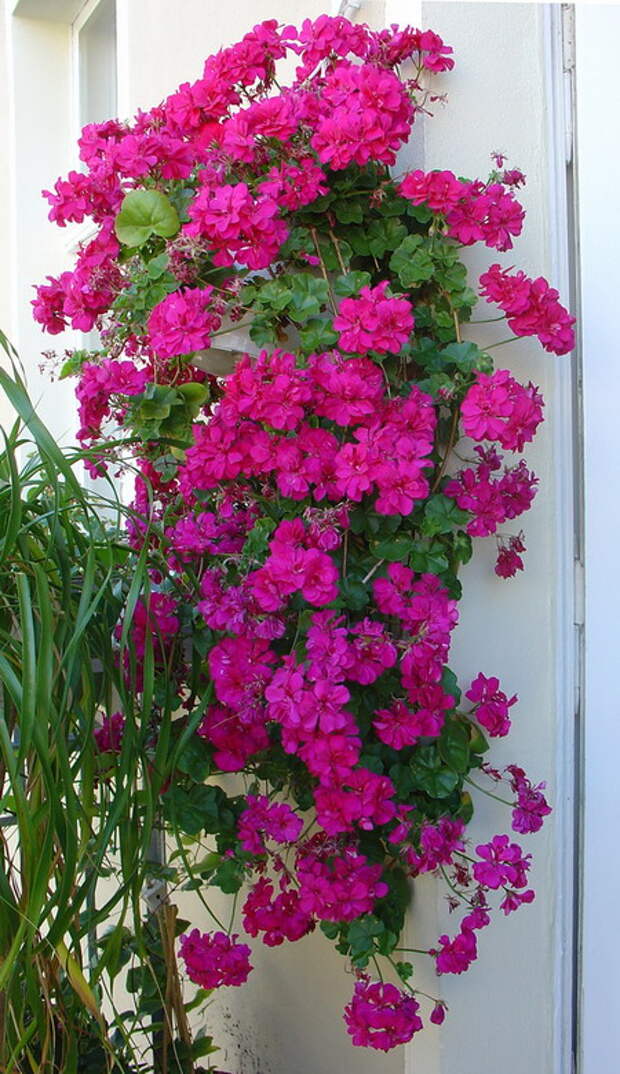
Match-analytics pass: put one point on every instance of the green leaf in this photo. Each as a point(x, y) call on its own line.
point(144, 213)
point(449, 684)
point(317, 335)
point(263, 331)
point(203, 1046)
point(428, 557)
point(478, 742)
point(194, 393)
point(430, 774)
point(354, 593)
point(394, 550)
point(412, 261)
point(194, 810)
point(435, 384)
point(330, 929)
point(74, 363)
point(348, 210)
point(351, 284)
point(228, 877)
point(308, 296)
point(274, 295)
point(257, 541)
point(157, 266)
point(384, 235)
point(361, 935)
point(465, 356)
point(441, 515)
point(332, 256)
point(466, 808)
point(195, 759)
point(462, 546)
point(454, 745)
point(421, 213)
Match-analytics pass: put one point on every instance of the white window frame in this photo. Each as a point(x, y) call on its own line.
point(78, 24)
point(597, 101)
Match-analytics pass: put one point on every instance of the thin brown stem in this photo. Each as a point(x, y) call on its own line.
point(457, 327)
point(448, 451)
point(323, 269)
point(338, 252)
point(374, 569)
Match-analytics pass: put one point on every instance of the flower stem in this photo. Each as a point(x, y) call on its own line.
point(489, 794)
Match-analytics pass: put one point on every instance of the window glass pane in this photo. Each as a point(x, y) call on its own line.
point(97, 60)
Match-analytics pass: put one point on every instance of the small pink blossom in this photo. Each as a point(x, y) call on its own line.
point(381, 1016)
point(213, 959)
point(492, 705)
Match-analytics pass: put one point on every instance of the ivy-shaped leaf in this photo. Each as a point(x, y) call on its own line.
point(454, 745)
point(348, 210)
point(394, 550)
point(144, 213)
point(317, 335)
point(308, 296)
point(412, 261)
point(441, 515)
point(430, 774)
point(351, 284)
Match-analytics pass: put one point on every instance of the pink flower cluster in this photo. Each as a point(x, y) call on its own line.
point(109, 734)
point(278, 917)
point(182, 322)
point(427, 616)
point(474, 211)
point(457, 955)
point(234, 740)
point(334, 36)
point(80, 297)
point(262, 819)
point(509, 559)
point(502, 864)
point(437, 845)
point(381, 1016)
point(491, 705)
point(208, 532)
point(213, 959)
point(98, 385)
point(365, 115)
point(492, 501)
point(391, 438)
point(294, 565)
point(337, 883)
point(497, 407)
point(374, 322)
point(531, 807)
point(237, 225)
point(532, 307)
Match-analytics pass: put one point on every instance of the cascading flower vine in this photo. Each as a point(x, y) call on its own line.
point(305, 514)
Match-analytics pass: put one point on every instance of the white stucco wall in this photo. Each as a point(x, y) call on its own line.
point(504, 1012)
point(498, 100)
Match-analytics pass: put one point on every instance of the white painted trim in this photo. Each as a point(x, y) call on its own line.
point(12, 230)
point(598, 159)
point(50, 10)
point(559, 141)
point(403, 12)
point(123, 58)
point(83, 15)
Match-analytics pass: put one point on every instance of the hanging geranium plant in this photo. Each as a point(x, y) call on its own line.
point(281, 353)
